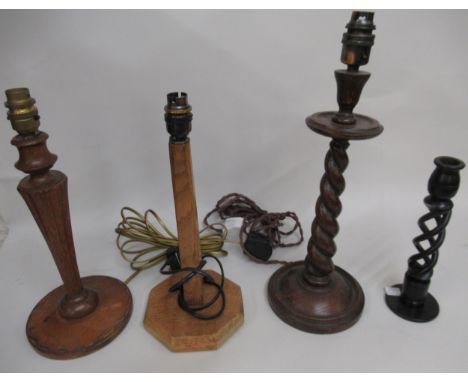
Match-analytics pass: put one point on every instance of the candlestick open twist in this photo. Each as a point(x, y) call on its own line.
point(415, 303)
point(314, 295)
point(83, 314)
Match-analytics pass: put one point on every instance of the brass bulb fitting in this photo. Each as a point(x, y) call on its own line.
point(177, 104)
point(178, 116)
point(22, 111)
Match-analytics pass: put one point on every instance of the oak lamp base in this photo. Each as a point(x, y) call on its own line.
point(326, 309)
point(181, 332)
point(56, 337)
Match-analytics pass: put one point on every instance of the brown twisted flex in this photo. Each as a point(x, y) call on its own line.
point(257, 220)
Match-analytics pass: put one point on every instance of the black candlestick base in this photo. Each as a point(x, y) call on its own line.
point(414, 303)
point(423, 313)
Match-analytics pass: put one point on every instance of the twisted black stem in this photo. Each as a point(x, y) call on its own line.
point(421, 265)
point(442, 186)
point(321, 246)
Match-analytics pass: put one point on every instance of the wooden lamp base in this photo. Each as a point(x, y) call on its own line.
point(59, 338)
point(181, 332)
point(317, 309)
point(314, 295)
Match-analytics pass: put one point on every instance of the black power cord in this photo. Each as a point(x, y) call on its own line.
point(172, 266)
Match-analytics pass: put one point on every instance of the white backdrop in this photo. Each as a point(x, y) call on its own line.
point(100, 80)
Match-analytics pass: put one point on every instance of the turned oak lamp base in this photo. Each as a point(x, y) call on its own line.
point(84, 314)
point(336, 304)
point(59, 338)
point(166, 318)
point(181, 332)
point(329, 309)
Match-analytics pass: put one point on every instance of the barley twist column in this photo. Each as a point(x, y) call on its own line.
point(321, 246)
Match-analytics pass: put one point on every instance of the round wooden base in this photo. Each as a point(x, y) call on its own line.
point(56, 337)
point(328, 309)
point(364, 127)
point(424, 313)
point(181, 332)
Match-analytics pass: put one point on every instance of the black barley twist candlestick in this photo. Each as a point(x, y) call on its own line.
point(415, 303)
point(314, 295)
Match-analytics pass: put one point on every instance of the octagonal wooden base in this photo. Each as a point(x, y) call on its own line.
point(179, 331)
point(56, 337)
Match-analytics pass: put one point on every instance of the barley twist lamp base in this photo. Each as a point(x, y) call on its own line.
point(314, 295)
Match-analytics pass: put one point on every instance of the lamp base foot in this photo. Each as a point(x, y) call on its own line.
point(181, 332)
point(424, 313)
point(59, 338)
point(325, 309)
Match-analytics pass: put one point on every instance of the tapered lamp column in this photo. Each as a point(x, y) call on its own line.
point(164, 318)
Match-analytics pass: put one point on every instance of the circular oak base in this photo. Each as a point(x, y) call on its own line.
point(423, 313)
point(325, 309)
point(56, 337)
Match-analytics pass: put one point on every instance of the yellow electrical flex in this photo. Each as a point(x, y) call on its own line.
point(139, 235)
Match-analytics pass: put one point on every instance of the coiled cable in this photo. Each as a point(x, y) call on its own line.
point(140, 235)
